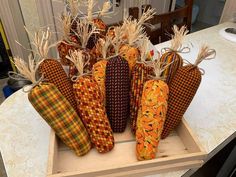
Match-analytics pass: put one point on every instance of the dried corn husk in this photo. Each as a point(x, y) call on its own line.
point(182, 90)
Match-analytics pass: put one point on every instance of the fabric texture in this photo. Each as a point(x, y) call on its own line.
point(139, 76)
point(92, 112)
point(54, 73)
point(117, 93)
point(99, 74)
point(170, 71)
point(63, 50)
point(183, 87)
point(58, 113)
point(151, 118)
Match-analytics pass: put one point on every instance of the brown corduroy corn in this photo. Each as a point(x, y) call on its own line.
point(182, 90)
point(91, 106)
point(54, 73)
point(117, 93)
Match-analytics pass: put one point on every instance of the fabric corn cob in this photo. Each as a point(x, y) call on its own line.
point(172, 55)
point(182, 90)
point(91, 107)
point(139, 76)
point(54, 109)
point(53, 72)
point(117, 93)
point(58, 113)
point(151, 117)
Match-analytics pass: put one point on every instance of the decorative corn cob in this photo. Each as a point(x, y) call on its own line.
point(134, 31)
point(183, 87)
point(172, 54)
point(139, 76)
point(117, 87)
point(99, 69)
point(151, 116)
point(55, 109)
point(53, 72)
point(91, 107)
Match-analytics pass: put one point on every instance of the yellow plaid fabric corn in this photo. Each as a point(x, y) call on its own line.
point(60, 115)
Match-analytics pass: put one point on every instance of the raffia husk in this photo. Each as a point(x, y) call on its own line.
point(117, 41)
point(143, 48)
point(103, 46)
point(178, 37)
point(134, 30)
point(74, 7)
point(78, 58)
point(85, 30)
point(66, 25)
point(105, 8)
point(205, 53)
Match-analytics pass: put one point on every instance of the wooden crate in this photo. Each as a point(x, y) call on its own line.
point(178, 151)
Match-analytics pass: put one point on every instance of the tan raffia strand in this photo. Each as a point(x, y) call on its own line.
point(146, 16)
point(103, 45)
point(143, 48)
point(41, 41)
point(78, 58)
point(205, 54)
point(117, 41)
point(66, 24)
point(85, 30)
point(74, 7)
point(91, 5)
point(178, 37)
point(105, 8)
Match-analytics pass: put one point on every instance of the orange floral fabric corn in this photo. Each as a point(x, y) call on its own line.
point(93, 114)
point(151, 118)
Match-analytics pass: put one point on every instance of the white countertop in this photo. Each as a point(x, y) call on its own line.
point(24, 137)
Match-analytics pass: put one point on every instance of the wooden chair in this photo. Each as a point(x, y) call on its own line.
point(162, 23)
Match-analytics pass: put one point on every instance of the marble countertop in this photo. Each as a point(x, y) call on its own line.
point(24, 137)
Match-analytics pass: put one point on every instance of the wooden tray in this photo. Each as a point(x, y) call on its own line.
point(180, 150)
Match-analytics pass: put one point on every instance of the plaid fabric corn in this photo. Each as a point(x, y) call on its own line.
point(170, 71)
point(151, 118)
point(183, 87)
point(139, 76)
point(117, 93)
point(58, 113)
point(54, 73)
point(93, 113)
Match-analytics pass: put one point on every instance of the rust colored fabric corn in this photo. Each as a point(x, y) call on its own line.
point(182, 90)
point(93, 113)
point(64, 48)
point(58, 113)
point(170, 71)
point(54, 73)
point(139, 76)
point(151, 118)
point(99, 74)
point(117, 93)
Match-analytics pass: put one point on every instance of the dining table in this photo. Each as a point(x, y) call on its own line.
point(24, 135)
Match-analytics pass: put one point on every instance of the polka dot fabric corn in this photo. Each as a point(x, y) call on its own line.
point(151, 118)
point(182, 90)
point(92, 112)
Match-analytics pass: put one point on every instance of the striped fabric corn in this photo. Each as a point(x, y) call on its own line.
point(58, 113)
point(182, 90)
point(139, 76)
point(54, 73)
point(117, 93)
point(91, 107)
point(151, 117)
point(172, 54)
